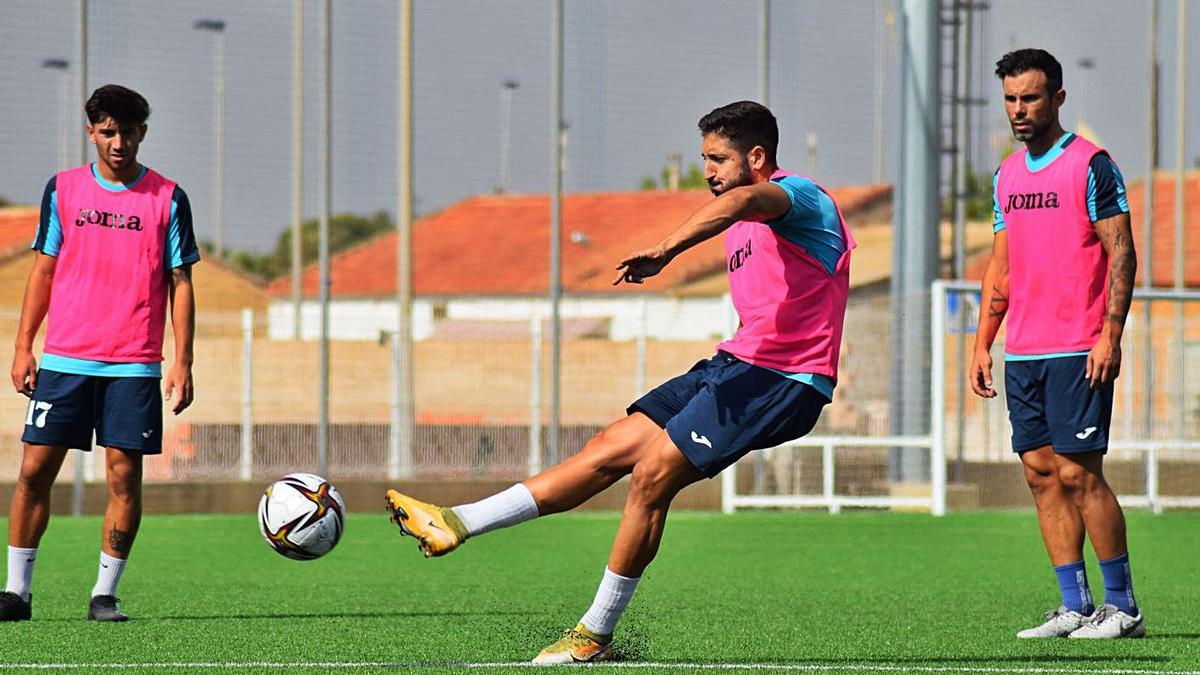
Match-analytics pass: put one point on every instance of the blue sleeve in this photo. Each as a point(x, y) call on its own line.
point(812, 222)
point(181, 237)
point(997, 214)
point(1105, 189)
point(49, 235)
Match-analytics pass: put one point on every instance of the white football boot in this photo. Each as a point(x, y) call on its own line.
point(1059, 622)
point(1110, 623)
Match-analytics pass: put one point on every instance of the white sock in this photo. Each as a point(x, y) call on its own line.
point(109, 575)
point(20, 571)
point(611, 599)
point(512, 506)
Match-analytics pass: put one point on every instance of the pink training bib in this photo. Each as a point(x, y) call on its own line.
point(109, 297)
point(1057, 268)
point(790, 307)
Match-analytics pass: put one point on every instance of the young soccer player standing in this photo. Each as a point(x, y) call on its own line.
point(788, 255)
point(115, 242)
point(1062, 270)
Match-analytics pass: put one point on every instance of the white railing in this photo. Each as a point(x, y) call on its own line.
point(935, 502)
point(1152, 499)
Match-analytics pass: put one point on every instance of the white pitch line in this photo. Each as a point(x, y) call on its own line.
point(782, 667)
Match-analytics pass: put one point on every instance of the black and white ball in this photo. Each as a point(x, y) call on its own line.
point(301, 516)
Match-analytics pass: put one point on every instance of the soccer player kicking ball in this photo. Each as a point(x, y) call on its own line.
point(1062, 270)
point(789, 268)
point(114, 243)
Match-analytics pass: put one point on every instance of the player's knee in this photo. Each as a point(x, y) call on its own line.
point(125, 485)
point(613, 452)
point(1040, 479)
point(35, 475)
point(1077, 479)
point(649, 485)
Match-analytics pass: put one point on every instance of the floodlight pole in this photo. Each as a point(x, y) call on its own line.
point(764, 53)
point(1181, 73)
point(217, 27)
point(82, 459)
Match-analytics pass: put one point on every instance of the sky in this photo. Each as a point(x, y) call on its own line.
point(637, 78)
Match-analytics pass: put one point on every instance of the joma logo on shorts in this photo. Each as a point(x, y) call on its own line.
point(1032, 200)
point(116, 221)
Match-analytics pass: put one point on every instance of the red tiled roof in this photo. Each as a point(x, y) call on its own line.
point(499, 245)
point(17, 228)
point(1163, 259)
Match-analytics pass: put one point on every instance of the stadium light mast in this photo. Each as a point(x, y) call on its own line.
point(1147, 258)
point(556, 172)
point(61, 65)
point(764, 54)
point(217, 28)
point(1181, 73)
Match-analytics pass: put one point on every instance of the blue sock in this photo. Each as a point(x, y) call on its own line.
point(1076, 596)
point(1118, 584)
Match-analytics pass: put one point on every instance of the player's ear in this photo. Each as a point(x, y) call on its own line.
point(90, 130)
point(757, 157)
point(1059, 97)
point(142, 132)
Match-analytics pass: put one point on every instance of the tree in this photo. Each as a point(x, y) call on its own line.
point(690, 179)
point(345, 230)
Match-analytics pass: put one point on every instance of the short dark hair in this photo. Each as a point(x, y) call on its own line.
point(1023, 60)
point(746, 124)
point(124, 106)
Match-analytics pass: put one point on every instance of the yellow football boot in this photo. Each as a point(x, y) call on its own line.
point(436, 528)
point(577, 645)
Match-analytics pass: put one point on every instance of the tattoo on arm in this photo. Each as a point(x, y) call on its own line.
point(998, 305)
point(1116, 237)
point(121, 541)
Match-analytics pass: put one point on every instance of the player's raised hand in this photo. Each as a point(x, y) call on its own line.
point(1103, 363)
point(638, 266)
point(179, 380)
point(981, 374)
point(24, 372)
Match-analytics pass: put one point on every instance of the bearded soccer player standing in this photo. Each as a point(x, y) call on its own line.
point(115, 244)
point(1062, 270)
point(789, 267)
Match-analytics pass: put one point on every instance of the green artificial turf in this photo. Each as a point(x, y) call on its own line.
point(880, 592)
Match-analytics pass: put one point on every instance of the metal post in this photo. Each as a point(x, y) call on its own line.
point(402, 361)
point(1152, 478)
point(323, 239)
point(643, 328)
point(246, 466)
point(1181, 72)
point(827, 477)
point(728, 488)
point(297, 162)
point(556, 152)
point(77, 487)
point(915, 244)
point(764, 53)
point(535, 395)
point(219, 167)
point(507, 88)
point(1146, 259)
point(937, 397)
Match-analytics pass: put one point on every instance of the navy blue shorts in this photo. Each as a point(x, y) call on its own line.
point(723, 408)
point(1049, 403)
point(124, 412)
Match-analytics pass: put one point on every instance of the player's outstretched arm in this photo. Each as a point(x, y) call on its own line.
point(33, 311)
point(183, 320)
point(761, 201)
point(993, 306)
point(1116, 236)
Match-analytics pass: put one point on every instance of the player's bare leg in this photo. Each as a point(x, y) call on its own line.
point(1082, 475)
point(122, 517)
point(1062, 533)
point(27, 520)
point(659, 475)
point(607, 457)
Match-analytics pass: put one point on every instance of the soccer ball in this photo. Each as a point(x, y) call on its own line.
point(301, 516)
